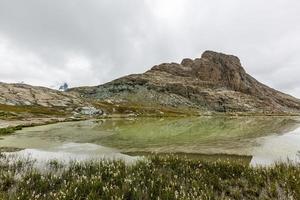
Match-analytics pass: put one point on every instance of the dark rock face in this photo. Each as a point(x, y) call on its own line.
point(215, 82)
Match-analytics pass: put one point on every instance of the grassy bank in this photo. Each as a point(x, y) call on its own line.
point(166, 177)
point(9, 130)
point(36, 110)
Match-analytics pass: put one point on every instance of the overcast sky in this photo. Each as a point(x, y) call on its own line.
point(89, 42)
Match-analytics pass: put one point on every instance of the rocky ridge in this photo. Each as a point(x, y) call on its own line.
point(216, 82)
point(26, 101)
point(23, 94)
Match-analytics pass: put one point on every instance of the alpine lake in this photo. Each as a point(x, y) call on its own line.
point(254, 140)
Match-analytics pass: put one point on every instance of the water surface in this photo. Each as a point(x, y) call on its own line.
point(265, 139)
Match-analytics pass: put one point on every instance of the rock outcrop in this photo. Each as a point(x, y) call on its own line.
point(92, 111)
point(215, 82)
point(21, 101)
point(27, 95)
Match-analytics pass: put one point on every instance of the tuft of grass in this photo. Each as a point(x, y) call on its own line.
point(7, 115)
point(10, 130)
point(157, 177)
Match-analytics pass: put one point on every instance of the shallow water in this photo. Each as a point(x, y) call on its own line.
point(266, 139)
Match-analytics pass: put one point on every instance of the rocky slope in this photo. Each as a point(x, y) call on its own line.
point(213, 83)
point(23, 101)
point(27, 95)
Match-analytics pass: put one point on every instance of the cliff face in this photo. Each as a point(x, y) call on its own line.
point(215, 82)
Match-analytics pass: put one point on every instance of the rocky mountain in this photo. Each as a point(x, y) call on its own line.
point(27, 95)
point(21, 101)
point(215, 82)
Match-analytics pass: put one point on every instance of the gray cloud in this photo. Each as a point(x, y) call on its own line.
point(90, 42)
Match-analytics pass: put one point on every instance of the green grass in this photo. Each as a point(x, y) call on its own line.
point(34, 110)
point(7, 115)
point(159, 177)
point(9, 130)
point(144, 110)
point(125, 108)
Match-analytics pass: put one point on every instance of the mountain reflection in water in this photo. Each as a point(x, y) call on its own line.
point(266, 139)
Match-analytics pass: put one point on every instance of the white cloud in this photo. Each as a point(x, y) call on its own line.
point(91, 42)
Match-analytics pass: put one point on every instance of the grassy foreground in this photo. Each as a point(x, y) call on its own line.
point(158, 177)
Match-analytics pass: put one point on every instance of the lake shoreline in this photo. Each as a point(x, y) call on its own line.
point(10, 126)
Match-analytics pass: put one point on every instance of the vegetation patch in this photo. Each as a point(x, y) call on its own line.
point(10, 130)
point(7, 115)
point(143, 110)
point(158, 177)
point(35, 110)
point(232, 158)
point(10, 149)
